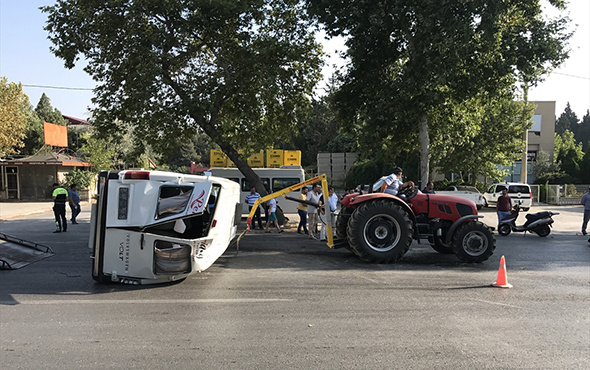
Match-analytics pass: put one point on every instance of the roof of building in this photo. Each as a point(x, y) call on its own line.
point(75, 121)
point(46, 159)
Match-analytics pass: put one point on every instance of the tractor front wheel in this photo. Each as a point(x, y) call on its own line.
point(473, 242)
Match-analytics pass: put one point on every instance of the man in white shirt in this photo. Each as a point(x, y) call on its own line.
point(312, 211)
point(393, 182)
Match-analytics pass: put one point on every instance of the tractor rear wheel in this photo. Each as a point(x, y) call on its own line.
point(473, 242)
point(342, 224)
point(380, 231)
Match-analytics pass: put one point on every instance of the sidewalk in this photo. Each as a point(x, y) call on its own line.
point(12, 210)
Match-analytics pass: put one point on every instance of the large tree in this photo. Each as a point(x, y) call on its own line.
point(13, 117)
point(566, 121)
point(410, 59)
point(582, 133)
point(568, 153)
point(480, 134)
point(242, 71)
point(47, 113)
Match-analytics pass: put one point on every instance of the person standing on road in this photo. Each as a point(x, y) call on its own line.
point(312, 211)
point(504, 205)
point(585, 201)
point(74, 200)
point(60, 197)
point(272, 217)
point(333, 203)
point(251, 198)
point(302, 210)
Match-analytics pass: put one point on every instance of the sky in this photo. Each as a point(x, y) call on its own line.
point(25, 58)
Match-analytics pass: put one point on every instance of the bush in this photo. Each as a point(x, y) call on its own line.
point(82, 179)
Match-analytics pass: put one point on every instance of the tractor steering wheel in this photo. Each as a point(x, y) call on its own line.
point(409, 191)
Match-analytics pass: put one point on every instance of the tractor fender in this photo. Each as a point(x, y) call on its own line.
point(458, 223)
point(355, 200)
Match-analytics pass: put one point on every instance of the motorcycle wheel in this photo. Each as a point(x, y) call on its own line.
point(543, 231)
point(504, 229)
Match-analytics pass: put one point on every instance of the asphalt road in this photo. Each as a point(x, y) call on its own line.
point(285, 301)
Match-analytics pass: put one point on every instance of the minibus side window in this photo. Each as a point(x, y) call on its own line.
point(279, 183)
point(246, 185)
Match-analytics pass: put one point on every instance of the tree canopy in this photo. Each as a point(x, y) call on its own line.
point(411, 60)
point(242, 71)
point(13, 118)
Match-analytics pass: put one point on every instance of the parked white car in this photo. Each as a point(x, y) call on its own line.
point(465, 192)
point(151, 227)
point(517, 191)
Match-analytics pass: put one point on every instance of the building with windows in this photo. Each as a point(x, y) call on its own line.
point(541, 136)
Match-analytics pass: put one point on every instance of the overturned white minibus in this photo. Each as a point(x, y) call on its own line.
point(150, 227)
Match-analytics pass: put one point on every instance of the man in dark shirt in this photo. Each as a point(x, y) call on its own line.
point(429, 189)
point(504, 205)
point(74, 200)
point(60, 197)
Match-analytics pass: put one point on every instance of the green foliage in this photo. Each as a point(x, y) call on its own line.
point(13, 118)
point(76, 138)
point(477, 135)
point(545, 169)
point(101, 152)
point(582, 133)
point(370, 170)
point(241, 71)
point(49, 114)
point(568, 153)
point(320, 132)
point(34, 139)
point(585, 169)
point(412, 63)
point(82, 179)
point(566, 121)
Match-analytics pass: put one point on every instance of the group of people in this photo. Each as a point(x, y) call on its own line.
point(61, 196)
point(271, 209)
point(310, 211)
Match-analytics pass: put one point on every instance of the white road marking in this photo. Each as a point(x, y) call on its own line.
point(496, 303)
point(144, 301)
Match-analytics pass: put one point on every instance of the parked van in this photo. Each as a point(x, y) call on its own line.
point(274, 179)
point(516, 191)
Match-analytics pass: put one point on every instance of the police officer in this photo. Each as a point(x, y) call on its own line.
point(60, 197)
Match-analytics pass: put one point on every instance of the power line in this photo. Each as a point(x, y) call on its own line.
point(568, 75)
point(59, 87)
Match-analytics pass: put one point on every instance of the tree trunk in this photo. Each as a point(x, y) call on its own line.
point(424, 150)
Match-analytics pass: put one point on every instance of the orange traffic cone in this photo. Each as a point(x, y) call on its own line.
point(502, 279)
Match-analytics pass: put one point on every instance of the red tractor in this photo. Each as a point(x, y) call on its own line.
point(379, 227)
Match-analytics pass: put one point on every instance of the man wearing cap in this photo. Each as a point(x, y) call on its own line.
point(60, 197)
point(586, 203)
point(393, 183)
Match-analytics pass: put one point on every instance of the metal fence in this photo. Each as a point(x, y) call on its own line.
point(564, 194)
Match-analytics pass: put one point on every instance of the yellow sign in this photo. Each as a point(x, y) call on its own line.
point(217, 158)
point(256, 160)
point(292, 158)
point(274, 158)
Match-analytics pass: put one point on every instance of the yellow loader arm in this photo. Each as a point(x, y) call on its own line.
point(284, 191)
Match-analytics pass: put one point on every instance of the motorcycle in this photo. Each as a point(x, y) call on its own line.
point(535, 222)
